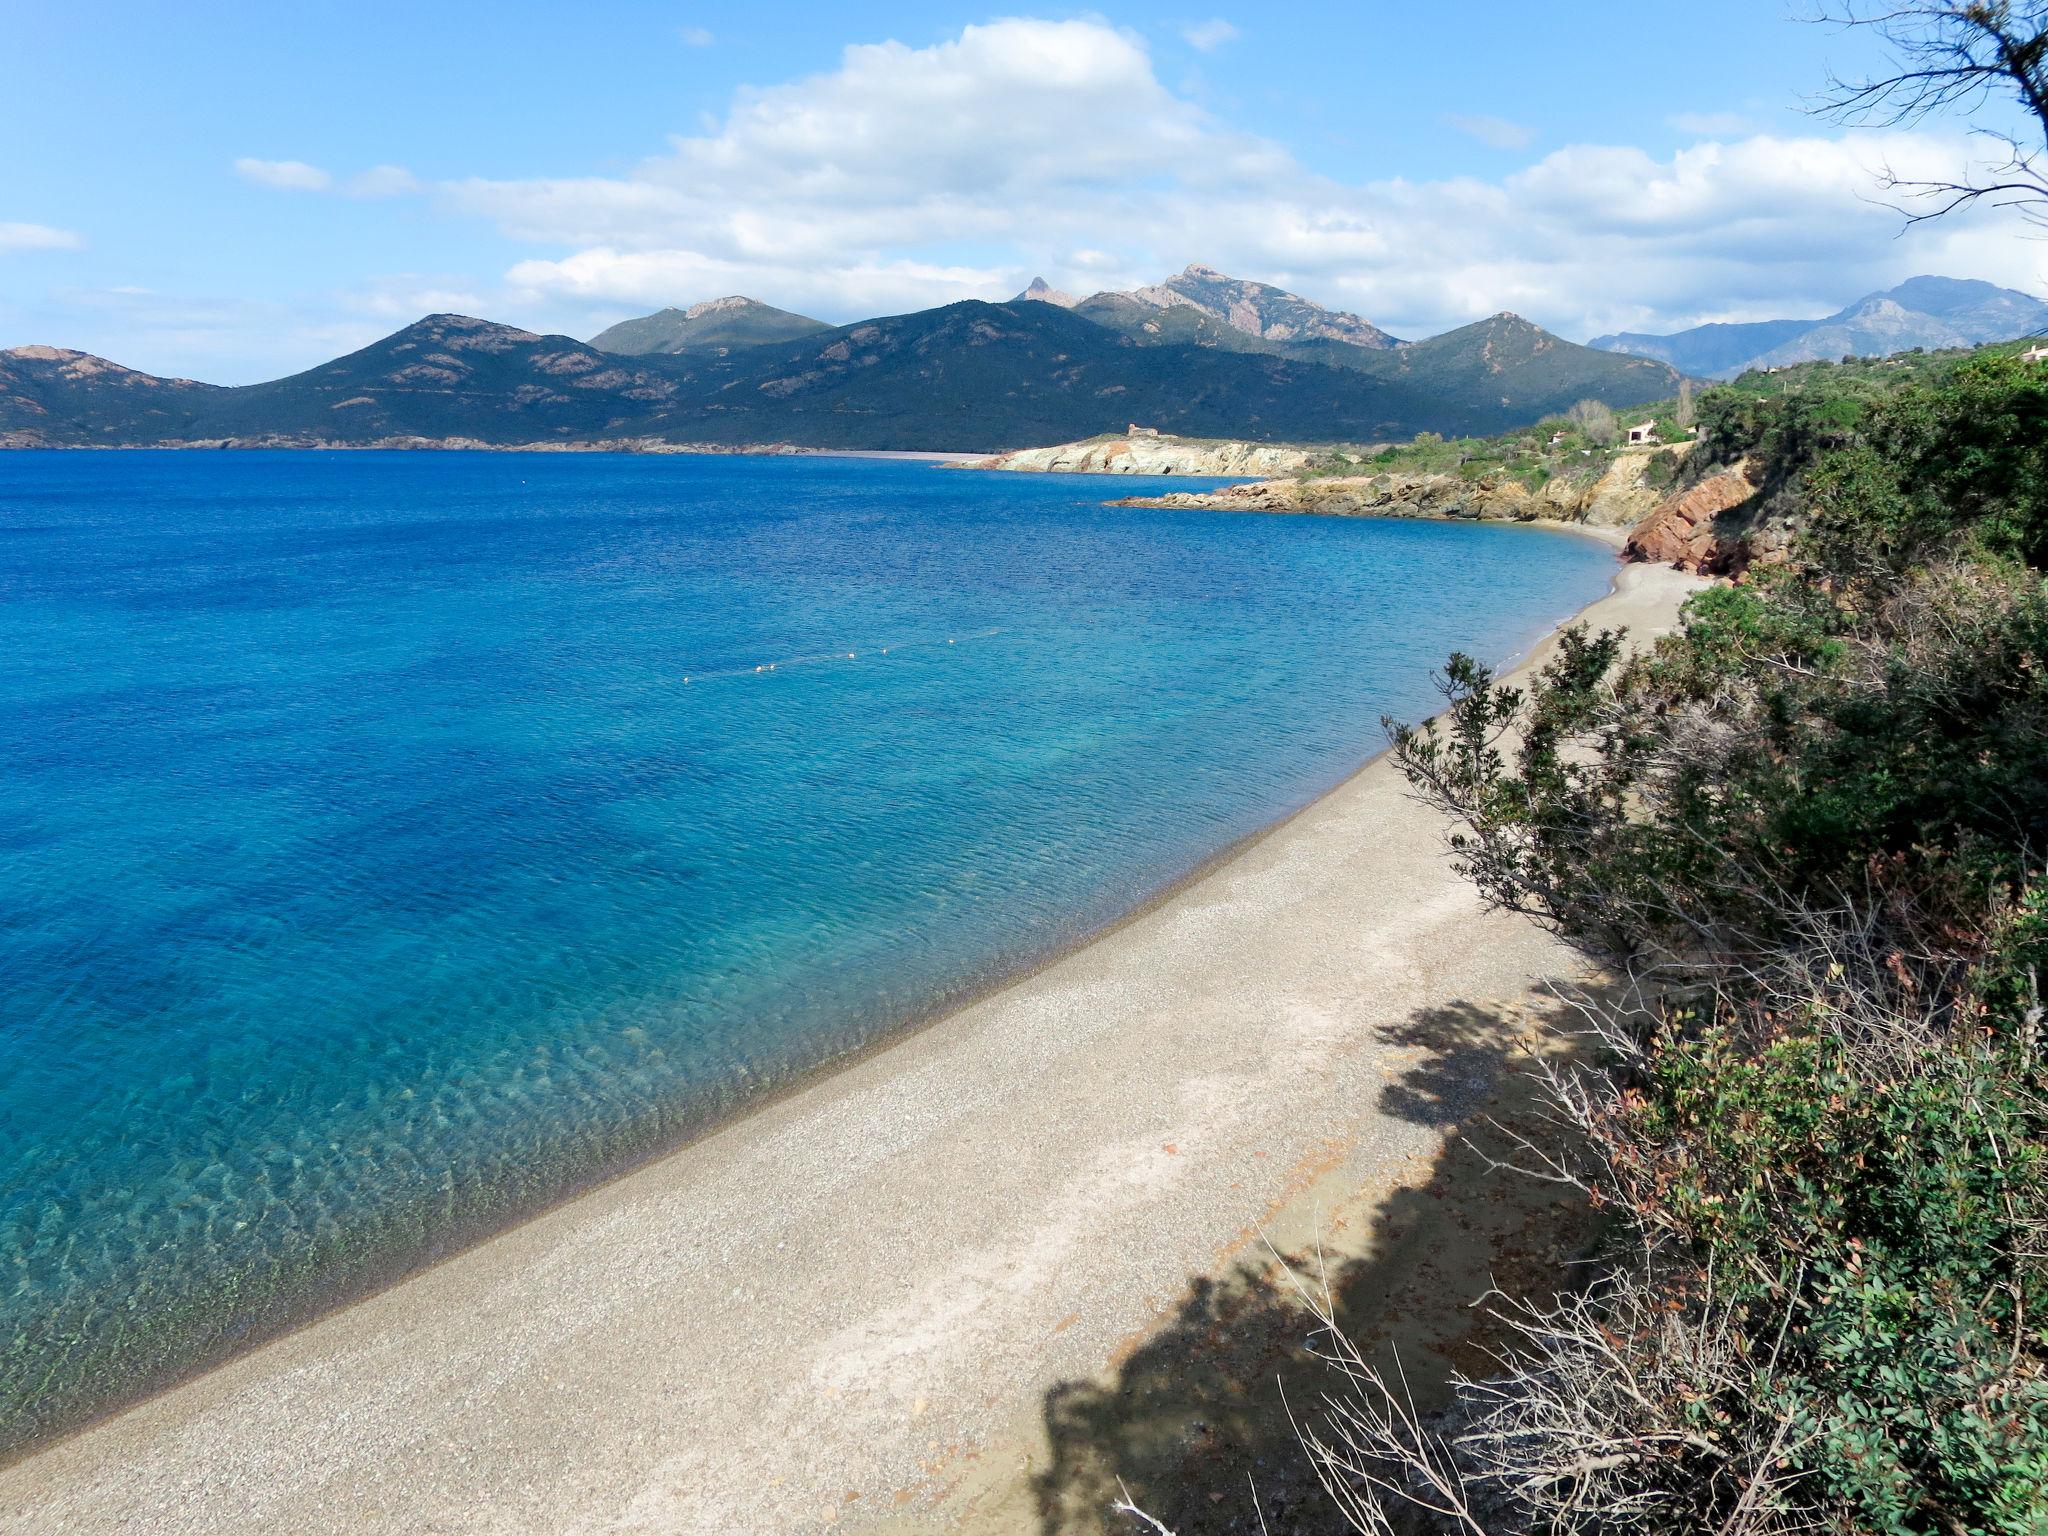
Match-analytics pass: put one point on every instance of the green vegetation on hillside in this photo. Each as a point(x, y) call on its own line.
point(1805, 834)
point(966, 376)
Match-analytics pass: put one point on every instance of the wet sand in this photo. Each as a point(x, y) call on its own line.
point(847, 1310)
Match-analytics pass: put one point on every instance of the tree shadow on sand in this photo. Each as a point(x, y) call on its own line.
point(1193, 1417)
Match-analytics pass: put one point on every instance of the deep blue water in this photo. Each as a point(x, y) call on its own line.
point(393, 843)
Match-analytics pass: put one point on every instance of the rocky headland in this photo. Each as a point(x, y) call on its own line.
point(1618, 496)
point(1153, 453)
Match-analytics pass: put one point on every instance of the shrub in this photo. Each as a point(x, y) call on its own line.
point(1803, 834)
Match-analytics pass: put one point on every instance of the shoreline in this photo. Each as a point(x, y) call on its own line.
point(647, 447)
point(169, 1442)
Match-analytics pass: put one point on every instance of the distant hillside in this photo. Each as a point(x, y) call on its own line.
point(1174, 325)
point(1927, 312)
point(51, 395)
point(1505, 372)
point(1482, 378)
point(1024, 374)
point(716, 325)
point(451, 376)
point(969, 376)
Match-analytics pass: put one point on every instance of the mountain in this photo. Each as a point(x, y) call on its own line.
point(1031, 373)
point(716, 325)
point(1930, 312)
point(1258, 309)
point(965, 376)
point(1150, 324)
point(1504, 371)
point(1708, 350)
point(49, 394)
point(451, 376)
point(1044, 293)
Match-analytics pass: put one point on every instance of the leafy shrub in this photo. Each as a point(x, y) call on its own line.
point(1804, 833)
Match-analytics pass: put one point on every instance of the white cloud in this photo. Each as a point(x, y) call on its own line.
point(37, 237)
point(283, 175)
point(654, 278)
point(1494, 132)
point(382, 181)
point(1209, 35)
point(696, 37)
point(1066, 155)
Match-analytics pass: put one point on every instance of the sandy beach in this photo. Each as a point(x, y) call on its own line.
point(914, 1295)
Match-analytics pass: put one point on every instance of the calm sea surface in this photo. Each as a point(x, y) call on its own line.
point(391, 844)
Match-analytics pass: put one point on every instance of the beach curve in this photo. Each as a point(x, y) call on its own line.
point(820, 1313)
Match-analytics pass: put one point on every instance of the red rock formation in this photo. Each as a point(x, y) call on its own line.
point(1680, 530)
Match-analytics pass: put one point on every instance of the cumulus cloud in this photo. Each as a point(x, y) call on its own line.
point(1064, 154)
point(1493, 132)
point(910, 176)
point(382, 181)
point(1209, 35)
point(37, 237)
point(696, 37)
point(283, 175)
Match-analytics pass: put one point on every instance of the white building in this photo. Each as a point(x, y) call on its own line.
point(1645, 433)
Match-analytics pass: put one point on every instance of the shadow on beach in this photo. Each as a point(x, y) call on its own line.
point(1194, 1418)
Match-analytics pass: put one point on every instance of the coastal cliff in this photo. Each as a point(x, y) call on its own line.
point(1147, 453)
point(1618, 496)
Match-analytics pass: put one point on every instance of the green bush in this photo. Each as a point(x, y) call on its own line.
point(1808, 827)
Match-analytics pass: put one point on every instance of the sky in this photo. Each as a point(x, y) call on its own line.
point(235, 192)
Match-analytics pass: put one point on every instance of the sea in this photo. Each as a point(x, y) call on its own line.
point(395, 844)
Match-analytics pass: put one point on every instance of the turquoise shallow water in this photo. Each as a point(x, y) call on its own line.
point(392, 844)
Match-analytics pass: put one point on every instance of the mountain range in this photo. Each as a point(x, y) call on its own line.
point(1930, 312)
point(1201, 354)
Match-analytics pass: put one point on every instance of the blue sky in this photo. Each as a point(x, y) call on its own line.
point(234, 191)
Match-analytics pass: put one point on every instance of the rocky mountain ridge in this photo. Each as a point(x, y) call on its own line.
point(1040, 291)
point(968, 376)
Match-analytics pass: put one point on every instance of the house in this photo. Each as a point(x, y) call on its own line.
point(1556, 438)
point(1138, 431)
point(1645, 433)
point(2035, 354)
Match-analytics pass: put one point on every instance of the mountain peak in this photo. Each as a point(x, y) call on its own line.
point(731, 304)
point(1259, 309)
point(1043, 292)
point(712, 326)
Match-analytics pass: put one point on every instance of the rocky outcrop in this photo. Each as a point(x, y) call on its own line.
point(1693, 529)
point(1623, 495)
point(1259, 309)
point(1615, 498)
point(1492, 499)
point(1148, 454)
point(1042, 292)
